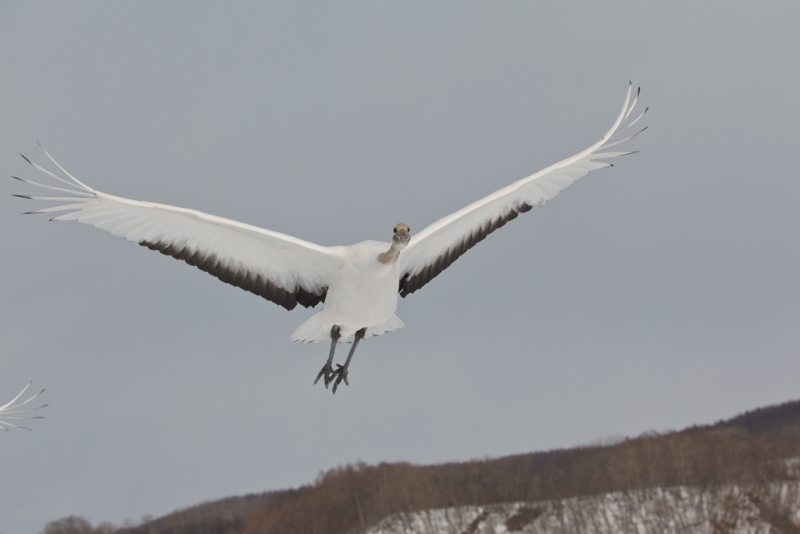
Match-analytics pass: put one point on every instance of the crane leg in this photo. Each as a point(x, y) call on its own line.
point(341, 371)
point(327, 369)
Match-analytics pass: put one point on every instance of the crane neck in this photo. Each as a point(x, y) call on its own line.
point(390, 256)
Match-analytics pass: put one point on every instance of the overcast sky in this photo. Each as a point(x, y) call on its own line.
point(654, 295)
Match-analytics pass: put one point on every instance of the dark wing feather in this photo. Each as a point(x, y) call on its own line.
point(410, 283)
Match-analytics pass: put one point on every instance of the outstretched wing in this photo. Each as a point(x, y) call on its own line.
point(278, 267)
point(10, 411)
point(433, 249)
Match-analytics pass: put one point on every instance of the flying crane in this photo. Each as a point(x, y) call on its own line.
point(13, 412)
point(358, 284)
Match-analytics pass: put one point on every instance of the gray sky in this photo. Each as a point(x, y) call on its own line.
point(658, 294)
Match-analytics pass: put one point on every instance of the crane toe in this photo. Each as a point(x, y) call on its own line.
point(327, 372)
point(340, 374)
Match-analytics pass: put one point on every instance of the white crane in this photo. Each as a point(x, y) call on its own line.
point(358, 284)
point(11, 411)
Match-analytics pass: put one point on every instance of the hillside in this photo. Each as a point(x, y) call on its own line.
point(743, 454)
point(764, 508)
point(222, 516)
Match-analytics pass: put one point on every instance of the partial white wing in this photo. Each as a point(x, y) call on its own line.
point(11, 411)
point(278, 267)
point(440, 244)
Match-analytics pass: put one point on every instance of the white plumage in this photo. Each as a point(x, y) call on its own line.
point(10, 411)
point(359, 284)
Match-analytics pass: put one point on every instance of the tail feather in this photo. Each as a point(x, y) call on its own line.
point(316, 329)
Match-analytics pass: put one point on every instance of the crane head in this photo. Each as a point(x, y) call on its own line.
point(401, 235)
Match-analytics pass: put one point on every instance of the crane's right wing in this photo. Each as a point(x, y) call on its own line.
point(443, 242)
point(275, 266)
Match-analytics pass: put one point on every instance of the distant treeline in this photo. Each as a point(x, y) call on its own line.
point(747, 449)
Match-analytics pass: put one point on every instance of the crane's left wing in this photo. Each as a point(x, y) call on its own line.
point(278, 267)
point(443, 242)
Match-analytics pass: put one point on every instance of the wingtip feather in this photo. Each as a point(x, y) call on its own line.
point(81, 184)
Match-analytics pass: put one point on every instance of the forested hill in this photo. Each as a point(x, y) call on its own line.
point(767, 422)
point(745, 449)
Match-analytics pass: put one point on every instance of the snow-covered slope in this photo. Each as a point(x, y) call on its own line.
point(766, 509)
